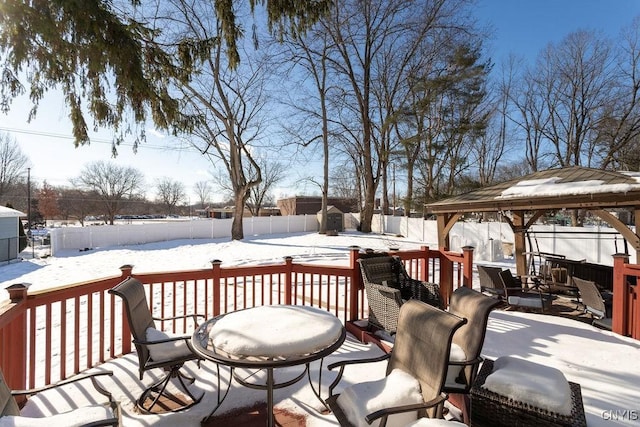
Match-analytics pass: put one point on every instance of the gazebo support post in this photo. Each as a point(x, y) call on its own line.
point(519, 230)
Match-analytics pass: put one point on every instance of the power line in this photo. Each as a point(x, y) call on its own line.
point(97, 140)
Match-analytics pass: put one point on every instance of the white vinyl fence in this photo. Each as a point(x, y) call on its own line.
point(491, 240)
point(134, 234)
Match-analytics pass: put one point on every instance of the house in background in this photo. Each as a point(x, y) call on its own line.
point(309, 205)
point(9, 233)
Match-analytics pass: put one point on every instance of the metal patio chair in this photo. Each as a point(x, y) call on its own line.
point(421, 350)
point(107, 414)
point(475, 307)
point(524, 298)
point(594, 303)
point(157, 350)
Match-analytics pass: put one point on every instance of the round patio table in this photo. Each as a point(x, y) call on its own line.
point(267, 338)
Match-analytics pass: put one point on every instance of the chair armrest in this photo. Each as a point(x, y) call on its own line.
point(471, 362)
point(343, 363)
point(386, 291)
point(405, 408)
point(76, 378)
point(186, 338)
point(186, 316)
point(427, 292)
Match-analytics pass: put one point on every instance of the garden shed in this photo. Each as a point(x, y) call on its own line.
point(9, 233)
point(335, 218)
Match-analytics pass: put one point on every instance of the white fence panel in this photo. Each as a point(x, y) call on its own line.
point(491, 240)
point(66, 238)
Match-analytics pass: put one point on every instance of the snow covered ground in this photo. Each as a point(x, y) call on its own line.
point(603, 363)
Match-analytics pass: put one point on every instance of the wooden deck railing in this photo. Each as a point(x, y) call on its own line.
point(49, 335)
point(626, 310)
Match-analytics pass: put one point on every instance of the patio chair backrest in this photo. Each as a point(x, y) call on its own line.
point(508, 280)
point(8, 405)
point(379, 270)
point(422, 345)
point(591, 297)
point(489, 278)
point(139, 316)
point(475, 307)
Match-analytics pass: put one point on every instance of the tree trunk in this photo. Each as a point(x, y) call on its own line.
point(237, 229)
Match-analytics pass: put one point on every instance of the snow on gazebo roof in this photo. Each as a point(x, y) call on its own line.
point(573, 187)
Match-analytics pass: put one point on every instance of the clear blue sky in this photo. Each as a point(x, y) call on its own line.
point(525, 27)
point(521, 27)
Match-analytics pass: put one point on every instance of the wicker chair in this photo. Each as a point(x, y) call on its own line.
point(594, 303)
point(387, 285)
point(157, 351)
point(107, 414)
point(475, 307)
point(489, 409)
point(421, 349)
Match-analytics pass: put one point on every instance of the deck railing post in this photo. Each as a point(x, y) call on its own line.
point(14, 338)
point(288, 280)
point(217, 274)
point(356, 282)
point(424, 264)
point(467, 268)
point(620, 315)
point(126, 271)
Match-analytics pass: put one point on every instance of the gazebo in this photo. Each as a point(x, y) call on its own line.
point(524, 200)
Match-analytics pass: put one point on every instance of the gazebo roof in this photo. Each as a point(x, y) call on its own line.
point(570, 188)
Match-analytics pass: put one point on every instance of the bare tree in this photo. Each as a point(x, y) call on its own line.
point(374, 41)
point(272, 173)
point(310, 61)
point(13, 163)
point(203, 191)
point(170, 193)
point(528, 114)
point(77, 203)
point(113, 185)
point(619, 128)
point(573, 82)
point(228, 102)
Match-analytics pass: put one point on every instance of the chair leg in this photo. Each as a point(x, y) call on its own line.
point(162, 401)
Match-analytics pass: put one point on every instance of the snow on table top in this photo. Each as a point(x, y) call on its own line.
point(275, 331)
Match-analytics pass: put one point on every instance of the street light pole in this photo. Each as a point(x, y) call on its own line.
point(29, 236)
point(29, 200)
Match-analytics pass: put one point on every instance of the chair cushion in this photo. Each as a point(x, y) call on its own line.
point(166, 350)
point(526, 301)
point(75, 418)
point(396, 389)
point(538, 385)
point(455, 355)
